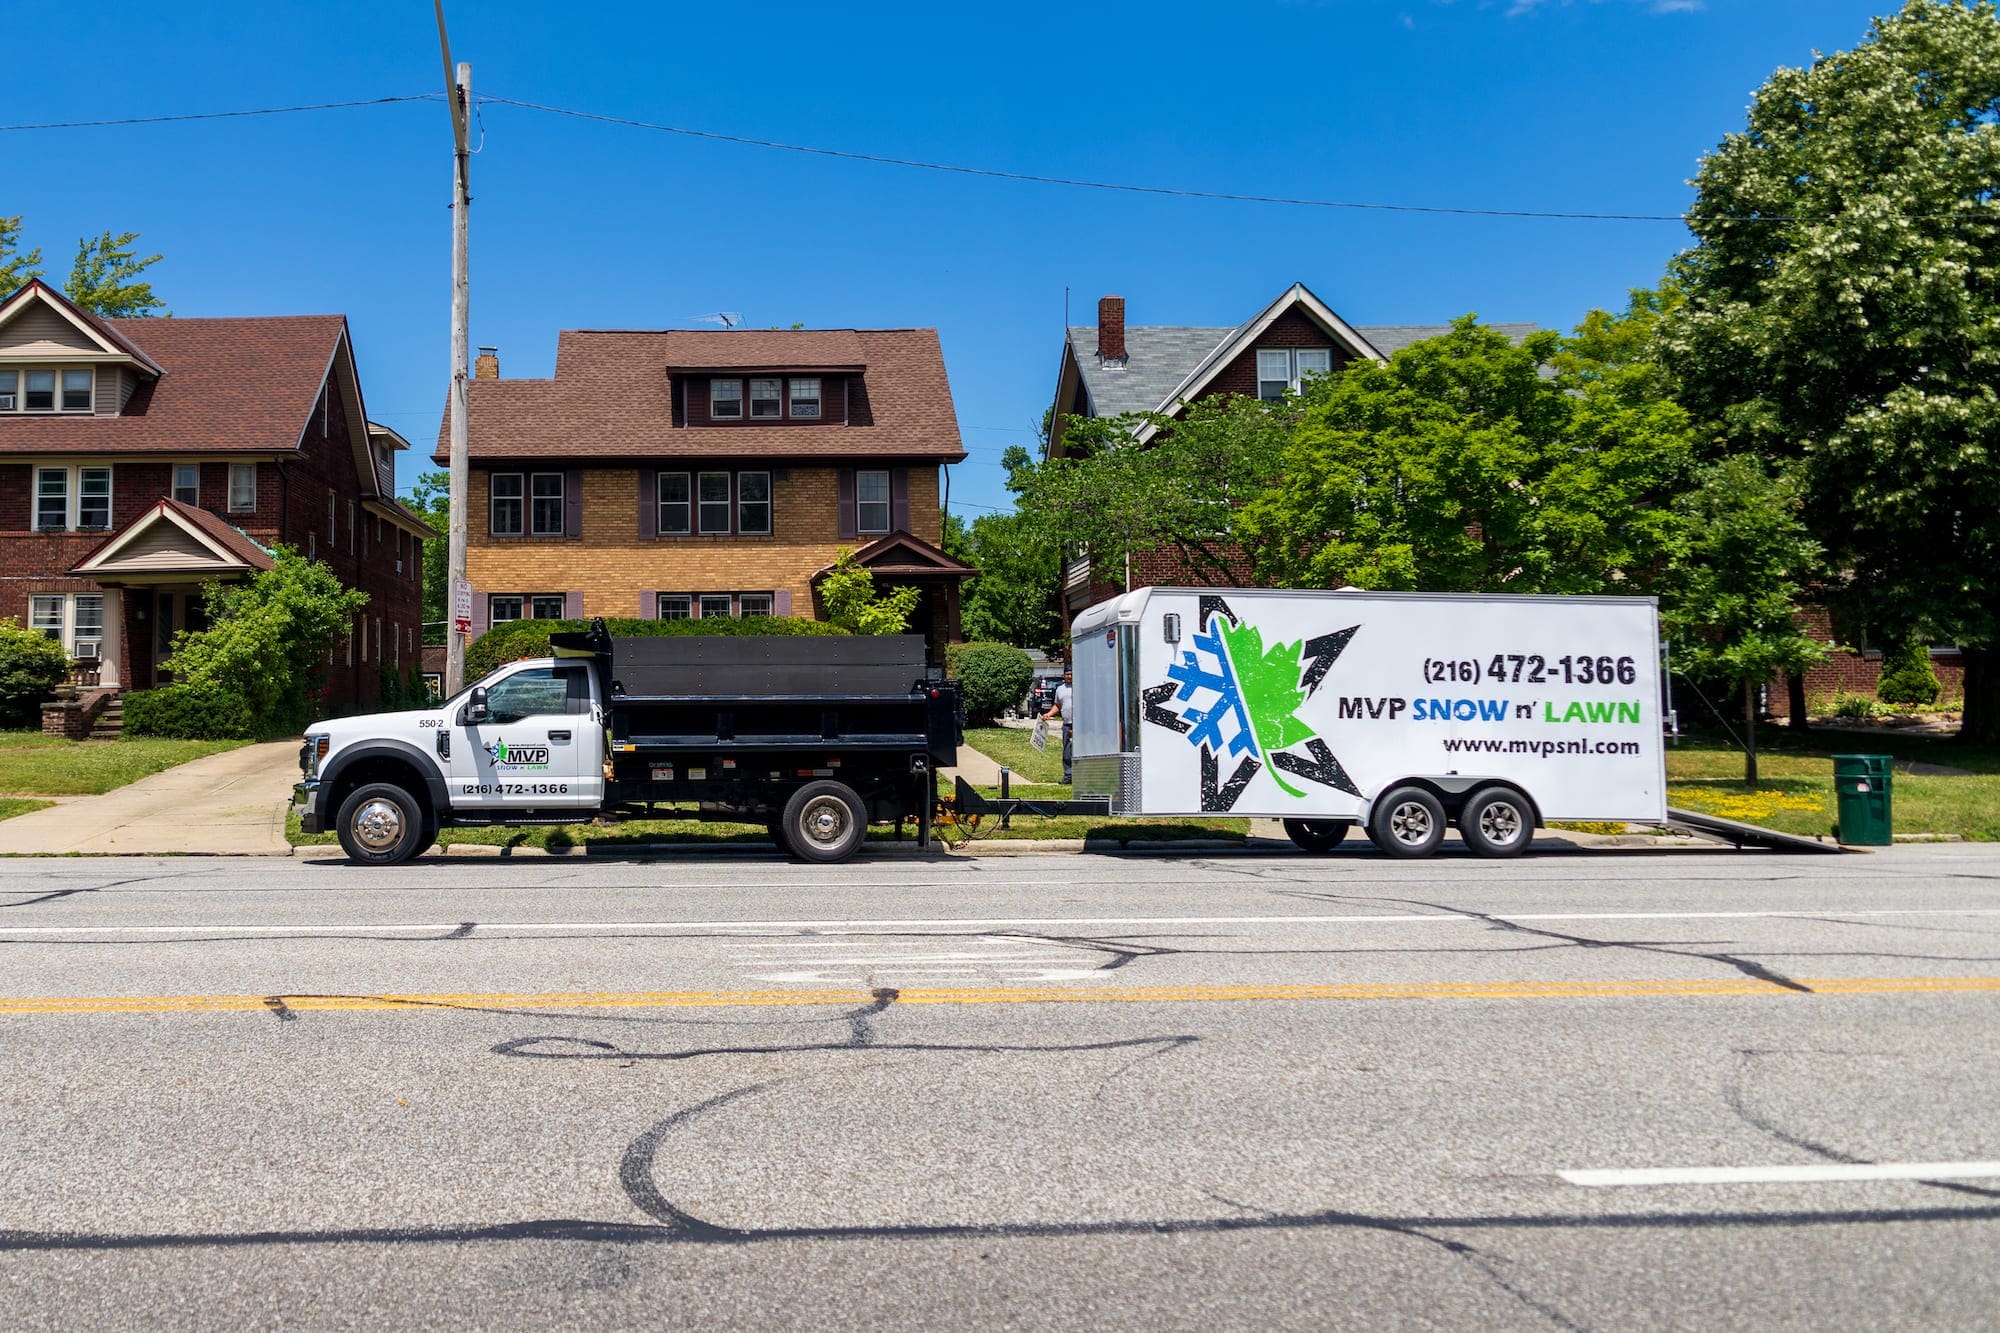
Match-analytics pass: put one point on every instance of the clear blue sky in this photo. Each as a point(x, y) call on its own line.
point(1586, 106)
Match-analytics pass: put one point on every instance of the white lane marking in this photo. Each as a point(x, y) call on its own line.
point(863, 926)
point(1784, 1175)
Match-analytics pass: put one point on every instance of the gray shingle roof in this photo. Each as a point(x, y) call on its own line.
point(1159, 357)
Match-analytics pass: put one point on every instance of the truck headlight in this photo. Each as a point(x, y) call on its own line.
point(312, 753)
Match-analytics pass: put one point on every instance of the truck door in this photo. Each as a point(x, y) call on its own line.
point(540, 747)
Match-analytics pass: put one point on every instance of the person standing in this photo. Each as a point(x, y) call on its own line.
point(1061, 708)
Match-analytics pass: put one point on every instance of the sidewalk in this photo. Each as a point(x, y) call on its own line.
point(229, 804)
point(974, 767)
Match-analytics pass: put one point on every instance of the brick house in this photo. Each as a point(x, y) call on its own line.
point(691, 473)
point(1111, 369)
point(143, 458)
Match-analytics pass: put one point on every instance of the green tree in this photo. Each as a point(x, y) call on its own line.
point(104, 278)
point(1843, 317)
point(17, 266)
point(1731, 609)
point(1907, 674)
point(31, 666)
point(1013, 598)
point(431, 498)
point(1470, 463)
point(855, 604)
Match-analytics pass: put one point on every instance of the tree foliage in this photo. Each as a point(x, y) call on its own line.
point(17, 266)
point(992, 677)
point(1013, 597)
point(431, 498)
point(857, 605)
point(1907, 675)
point(1843, 316)
point(105, 278)
point(31, 666)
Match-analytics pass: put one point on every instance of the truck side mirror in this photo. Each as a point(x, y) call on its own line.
point(475, 706)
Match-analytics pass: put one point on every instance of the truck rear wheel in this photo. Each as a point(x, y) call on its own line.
point(1497, 822)
point(1407, 822)
point(776, 826)
point(380, 825)
point(1316, 835)
point(825, 822)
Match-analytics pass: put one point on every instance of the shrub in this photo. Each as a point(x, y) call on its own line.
point(31, 666)
point(854, 603)
point(516, 639)
point(1907, 677)
point(1856, 707)
point(992, 677)
point(188, 712)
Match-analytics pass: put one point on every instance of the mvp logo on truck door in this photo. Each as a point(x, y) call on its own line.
point(1233, 698)
point(519, 756)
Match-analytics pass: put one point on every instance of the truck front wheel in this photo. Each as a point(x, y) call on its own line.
point(1407, 822)
point(380, 825)
point(824, 822)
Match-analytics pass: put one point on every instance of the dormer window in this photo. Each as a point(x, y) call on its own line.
point(10, 390)
point(765, 401)
point(725, 399)
point(47, 390)
point(76, 390)
point(1282, 370)
point(41, 395)
point(805, 399)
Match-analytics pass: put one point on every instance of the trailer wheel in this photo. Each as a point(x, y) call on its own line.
point(380, 825)
point(1407, 822)
point(1497, 822)
point(1316, 835)
point(825, 822)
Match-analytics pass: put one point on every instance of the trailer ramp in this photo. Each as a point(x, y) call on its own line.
point(1745, 835)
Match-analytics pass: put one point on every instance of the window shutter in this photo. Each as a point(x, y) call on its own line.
point(572, 606)
point(845, 490)
point(649, 505)
point(479, 609)
point(781, 602)
point(573, 503)
point(899, 499)
point(649, 606)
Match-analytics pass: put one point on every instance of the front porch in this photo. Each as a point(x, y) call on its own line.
point(903, 560)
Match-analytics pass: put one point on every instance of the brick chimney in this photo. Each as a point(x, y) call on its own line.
point(486, 366)
point(1111, 330)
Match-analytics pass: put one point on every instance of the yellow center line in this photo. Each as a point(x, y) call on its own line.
point(557, 1000)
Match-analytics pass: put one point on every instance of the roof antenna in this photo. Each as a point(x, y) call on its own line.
point(728, 319)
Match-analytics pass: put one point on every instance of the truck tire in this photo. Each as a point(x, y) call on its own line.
point(380, 825)
point(1316, 835)
point(776, 825)
point(824, 822)
point(1407, 822)
point(1497, 822)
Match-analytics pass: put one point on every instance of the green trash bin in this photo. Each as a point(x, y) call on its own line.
point(1862, 785)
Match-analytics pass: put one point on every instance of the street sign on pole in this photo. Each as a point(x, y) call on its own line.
point(461, 607)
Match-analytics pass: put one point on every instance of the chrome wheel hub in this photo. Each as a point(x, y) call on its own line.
point(826, 820)
point(1410, 823)
point(1500, 823)
point(378, 825)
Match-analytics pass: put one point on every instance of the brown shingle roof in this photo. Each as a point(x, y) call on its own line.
point(230, 385)
point(611, 398)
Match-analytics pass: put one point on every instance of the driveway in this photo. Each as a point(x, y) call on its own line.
point(229, 804)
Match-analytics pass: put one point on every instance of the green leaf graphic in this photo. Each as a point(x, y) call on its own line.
point(1269, 682)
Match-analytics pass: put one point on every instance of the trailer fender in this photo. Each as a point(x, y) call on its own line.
point(1452, 789)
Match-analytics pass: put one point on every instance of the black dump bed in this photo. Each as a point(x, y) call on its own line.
point(766, 665)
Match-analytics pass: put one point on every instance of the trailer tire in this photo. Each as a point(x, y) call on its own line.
point(825, 822)
point(1497, 821)
point(380, 824)
point(1316, 835)
point(1407, 822)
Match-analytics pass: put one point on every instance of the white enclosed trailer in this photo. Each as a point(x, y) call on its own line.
point(1398, 712)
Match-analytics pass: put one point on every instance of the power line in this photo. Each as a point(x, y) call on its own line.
point(1077, 183)
point(217, 115)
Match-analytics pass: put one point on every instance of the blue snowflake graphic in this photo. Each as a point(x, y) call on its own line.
point(1207, 721)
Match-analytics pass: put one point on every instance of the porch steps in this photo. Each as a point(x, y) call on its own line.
point(109, 724)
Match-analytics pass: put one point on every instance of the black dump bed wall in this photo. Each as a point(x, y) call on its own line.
point(766, 664)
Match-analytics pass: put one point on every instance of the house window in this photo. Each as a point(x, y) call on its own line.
point(350, 542)
point(871, 501)
point(805, 399)
point(1283, 370)
point(676, 515)
point(51, 498)
point(547, 516)
point(89, 621)
point(754, 604)
point(715, 605)
point(10, 390)
point(765, 400)
point(187, 488)
point(503, 608)
point(725, 400)
point(46, 615)
point(714, 502)
point(753, 503)
point(546, 607)
point(507, 504)
point(41, 396)
point(77, 390)
point(93, 497)
point(242, 488)
point(676, 606)
point(331, 539)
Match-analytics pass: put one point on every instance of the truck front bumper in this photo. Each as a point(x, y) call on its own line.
point(306, 805)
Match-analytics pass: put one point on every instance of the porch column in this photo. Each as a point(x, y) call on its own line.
point(111, 648)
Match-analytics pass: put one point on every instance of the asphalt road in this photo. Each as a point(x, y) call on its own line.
point(1034, 1092)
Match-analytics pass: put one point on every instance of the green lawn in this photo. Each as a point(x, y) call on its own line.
point(32, 764)
point(1009, 746)
point(16, 805)
point(1795, 794)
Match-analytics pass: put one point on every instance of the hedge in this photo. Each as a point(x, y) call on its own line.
point(992, 677)
point(1907, 675)
point(31, 666)
point(516, 639)
point(182, 713)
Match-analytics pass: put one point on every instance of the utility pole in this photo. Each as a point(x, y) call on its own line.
point(459, 88)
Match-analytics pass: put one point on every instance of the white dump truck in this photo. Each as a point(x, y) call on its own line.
point(1397, 712)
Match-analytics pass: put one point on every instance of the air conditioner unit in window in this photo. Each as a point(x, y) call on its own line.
point(87, 651)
